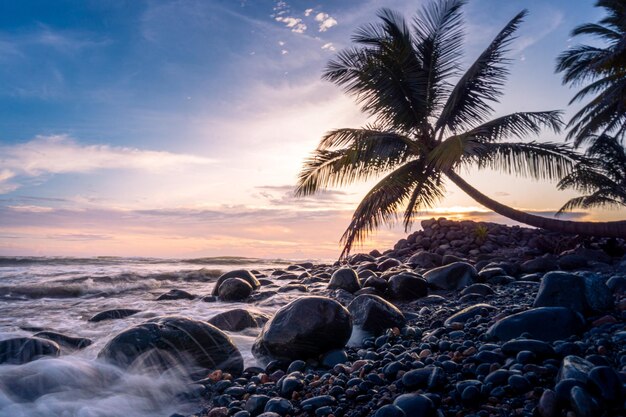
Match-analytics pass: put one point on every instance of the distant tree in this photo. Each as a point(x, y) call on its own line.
point(426, 128)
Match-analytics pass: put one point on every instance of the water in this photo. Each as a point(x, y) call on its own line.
point(61, 294)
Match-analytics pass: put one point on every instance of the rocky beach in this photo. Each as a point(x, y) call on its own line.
point(461, 318)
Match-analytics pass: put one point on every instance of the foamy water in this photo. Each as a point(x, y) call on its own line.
point(61, 294)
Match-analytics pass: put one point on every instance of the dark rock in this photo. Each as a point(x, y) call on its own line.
point(406, 286)
point(237, 320)
point(239, 273)
point(334, 357)
point(469, 313)
point(481, 289)
point(606, 383)
point(303, 329)
point(176, 295)
point(454, 276)
point(548, 406)
point(389, 410)
point(171, 341)
point(346, 279)
point(118, 313)
point(560, 289)
point(374, 314)
point(415, 405)
point(539, 348)
point(255, 405)
point(424, 259)
point(317, 402)
point(574, 367)
point(65, 340)
point(491, 272)
point(543, 323)
point(21, 350)
point(279, 406)
point(234, 289)
point(519, 384)
point(378, 283)
point(583, 403)
point(388, 264)
point(541, 264)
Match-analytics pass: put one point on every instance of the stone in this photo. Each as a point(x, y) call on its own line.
point(389, 410)
point(374, 314)
point(583, 403)
point(415, 405)
point(388, 264)
point(65, 340)
point(469, 313)
point(424, 259)
point(21, 350)
point(543, 323)
point(561, 289)
point(174, 341)
point(480, 289)
point(303, 329)
point(346, 279)
point(540, 264)
point(606, 383)
point(454, 276)
point(176, 295)
point(279, 406)
point(118, 313)
point(238, 319)
point(234, 289)
point(538, 347)
point(378, 283)
point(407, 286)
point(574, 367)
point(238, 273)
point(548, 406)
point(255, 404)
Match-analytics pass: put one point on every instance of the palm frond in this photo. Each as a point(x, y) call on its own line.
point(438, 39)
point(372, 154)
point(482, 83)
point(518, 125)
point(383, 73)
point(382, 203)
point(539, 161)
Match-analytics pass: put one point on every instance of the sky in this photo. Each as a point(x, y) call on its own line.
point(177, 128)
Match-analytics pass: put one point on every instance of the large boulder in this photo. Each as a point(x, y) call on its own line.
point(176, 294)
point(305, 328)
point(345, 279)
point(64, 340)
point(234, 289)
point(543, 323)
point(407, 286)
point(425, 259)
point(237, 320)
point(454, 276)
point(582, 294)
point(165, 342)
point(21, 350)
point(238, 273)
point(373, 314)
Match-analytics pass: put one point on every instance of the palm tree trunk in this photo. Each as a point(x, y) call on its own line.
point(604, 229)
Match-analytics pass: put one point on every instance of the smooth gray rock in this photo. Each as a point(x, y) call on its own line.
point(407, 286)
point(238, 273)
point(234, 289)
point(238, 319)
point(544, 323)
point(374, 314)
point(65, 340)
point(454, 276)
point(304, 329)
point(21, 350)
point(118, 313)
point(468, 313)
point(345, 279)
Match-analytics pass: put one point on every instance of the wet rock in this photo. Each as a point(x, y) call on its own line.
point(176, 295)
point(560, 289)
point(606, 383)
point(454, 276)
point(543, 323)
point(118, 313)
point(424, 259)
point(238, 319)
point(238, 273)
point(480, 289)
point(234, 289)
point(541, 264)
point(374, 314)
point(469, 313)
point(334, 357)
point(21, 350)
point(583, 403)
point(574, 367)
point(378, 283)
point(255, 404)
point(538, 347)
point(279, 406)
point(345, 279)
point(174, 341)
point(303, 329)
point(415, 405)
point(406, 286)
point(388, 264)
point(389, 410)
point(548, 406)
point(65, 340)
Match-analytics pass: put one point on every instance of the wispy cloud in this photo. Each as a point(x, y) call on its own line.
point(325, 21)
point(61, 154)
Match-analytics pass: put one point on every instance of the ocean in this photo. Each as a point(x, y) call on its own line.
point(61, 294)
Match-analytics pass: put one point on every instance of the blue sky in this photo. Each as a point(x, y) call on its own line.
point(180, 121)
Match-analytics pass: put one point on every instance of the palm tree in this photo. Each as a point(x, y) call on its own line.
point(425, 128)
point(604, 68)
point(602, 178)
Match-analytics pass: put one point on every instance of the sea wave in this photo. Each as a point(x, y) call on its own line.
point(13, 261)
